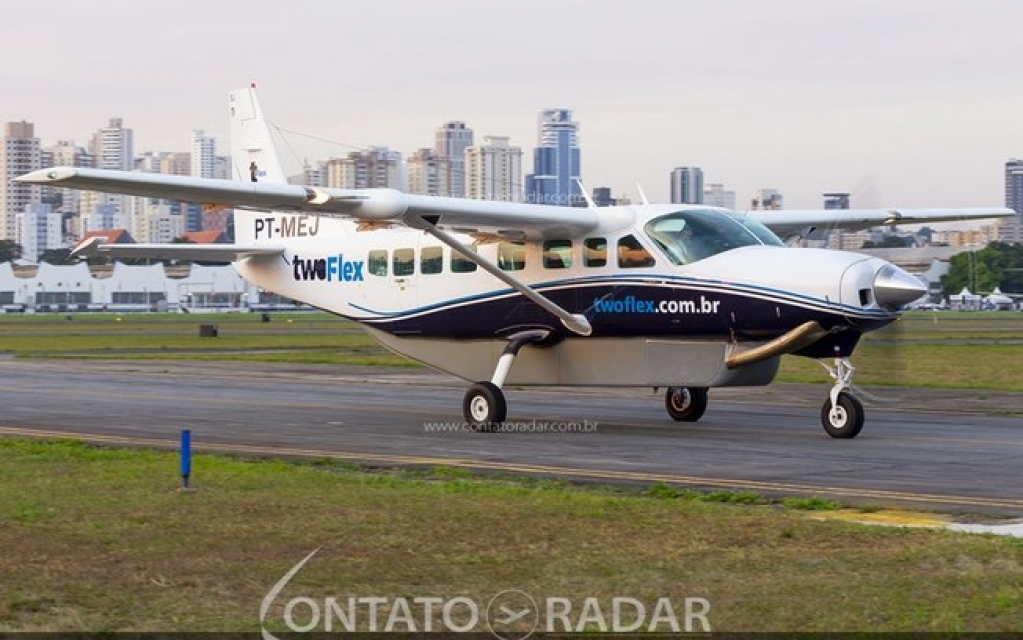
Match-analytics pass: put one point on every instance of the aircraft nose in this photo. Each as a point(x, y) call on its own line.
point(894, 288)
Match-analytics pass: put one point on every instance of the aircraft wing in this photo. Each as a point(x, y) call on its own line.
point(802, 221)
point(502, 219)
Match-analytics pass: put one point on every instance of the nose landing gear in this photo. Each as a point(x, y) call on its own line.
point(841, 414)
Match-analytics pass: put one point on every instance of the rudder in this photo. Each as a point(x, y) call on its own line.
point(253, 153)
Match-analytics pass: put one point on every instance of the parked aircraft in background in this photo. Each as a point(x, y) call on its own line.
point(682, 297)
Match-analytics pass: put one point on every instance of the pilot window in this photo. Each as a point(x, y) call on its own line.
point(511, 256)
point(557, 254)
point(377, 262)
point(461, 264)
point(431, 260)
point(695, 234)
point(404, 262)
point(631, 254)
point(595, 252)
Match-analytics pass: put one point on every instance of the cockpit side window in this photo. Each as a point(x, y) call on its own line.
point(758, 229)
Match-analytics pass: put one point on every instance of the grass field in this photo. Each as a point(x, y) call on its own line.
point(98, 540)
point(943, 350)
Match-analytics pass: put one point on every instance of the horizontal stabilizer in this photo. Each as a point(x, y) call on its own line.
point(178, 251)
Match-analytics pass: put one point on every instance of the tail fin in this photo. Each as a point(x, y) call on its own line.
point(253, 155)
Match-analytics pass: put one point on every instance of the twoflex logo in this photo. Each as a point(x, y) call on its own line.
point(329, 269)
point(632, 304)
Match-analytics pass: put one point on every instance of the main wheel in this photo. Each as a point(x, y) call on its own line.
point(484, 407)
point(686, 404)
point(845, 420)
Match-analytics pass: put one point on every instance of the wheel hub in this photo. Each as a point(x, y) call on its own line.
point(681, 399)
point(479, 408)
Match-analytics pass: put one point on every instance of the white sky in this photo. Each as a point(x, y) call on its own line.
point(903, 103)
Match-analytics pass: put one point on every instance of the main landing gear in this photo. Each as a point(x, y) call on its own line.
point(484, 406)
point(685, 404)
point(842, 413)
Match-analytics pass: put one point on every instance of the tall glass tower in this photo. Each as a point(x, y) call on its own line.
point(687, 185)
point(556, 161)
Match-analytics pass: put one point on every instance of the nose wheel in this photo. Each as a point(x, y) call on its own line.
point(844, 418)
point(842, 414)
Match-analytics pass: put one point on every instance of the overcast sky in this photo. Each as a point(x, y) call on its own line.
point(902, 103)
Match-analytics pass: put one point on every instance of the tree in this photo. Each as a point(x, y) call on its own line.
point(9, 251)
point(996, 265)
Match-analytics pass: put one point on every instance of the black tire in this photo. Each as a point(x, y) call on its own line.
point(847, 419)
point(484, 406)
point(686, 404)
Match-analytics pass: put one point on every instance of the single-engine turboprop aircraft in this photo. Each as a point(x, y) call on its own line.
point(682, 297)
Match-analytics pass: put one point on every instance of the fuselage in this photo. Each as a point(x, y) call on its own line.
point(654, 270)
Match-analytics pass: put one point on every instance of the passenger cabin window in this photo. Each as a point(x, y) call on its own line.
point(595, 252)
point(431, 260)
point(377, 262)
point(461, 264)
point(404, 262)
point(511, 256)
point(557, 254)
point(631, 254)
point(688, 236)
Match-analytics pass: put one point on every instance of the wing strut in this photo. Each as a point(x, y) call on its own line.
point(573, 321)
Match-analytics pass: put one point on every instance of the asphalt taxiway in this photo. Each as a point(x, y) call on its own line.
point(767, 440)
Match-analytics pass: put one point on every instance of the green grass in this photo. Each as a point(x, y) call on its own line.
point(100, 539)
point(295, 338)
point(972, 366)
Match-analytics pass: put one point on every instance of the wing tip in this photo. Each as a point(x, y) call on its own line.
point(43, 176)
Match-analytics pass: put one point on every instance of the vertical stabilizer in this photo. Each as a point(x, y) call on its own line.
point(253, 155)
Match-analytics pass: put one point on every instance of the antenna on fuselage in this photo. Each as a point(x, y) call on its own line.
point(642, 194)
point(586, 196)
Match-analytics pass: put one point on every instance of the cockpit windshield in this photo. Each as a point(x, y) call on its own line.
point(688, 236)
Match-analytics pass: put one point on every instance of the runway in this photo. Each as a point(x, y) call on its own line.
point(764, 440)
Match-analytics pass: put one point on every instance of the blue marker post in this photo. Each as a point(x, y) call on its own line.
point(186, 457)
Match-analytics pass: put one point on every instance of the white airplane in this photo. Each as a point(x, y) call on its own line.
point(682, 297)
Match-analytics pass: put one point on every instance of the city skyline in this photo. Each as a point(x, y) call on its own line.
point(900, 103)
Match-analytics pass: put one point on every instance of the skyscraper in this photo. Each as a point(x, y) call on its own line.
point(39, 229)
point(204, 154)
point(450, 142)
point(112, 148)
point(768, 198)
point(494, 170)
point(836, 200)
point(428, 173)
point(65, 154)
point(556, 161)
point(376, 167)
point(1011, 229)
point(717, 196)
point(19, 154)
point(687, 185)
